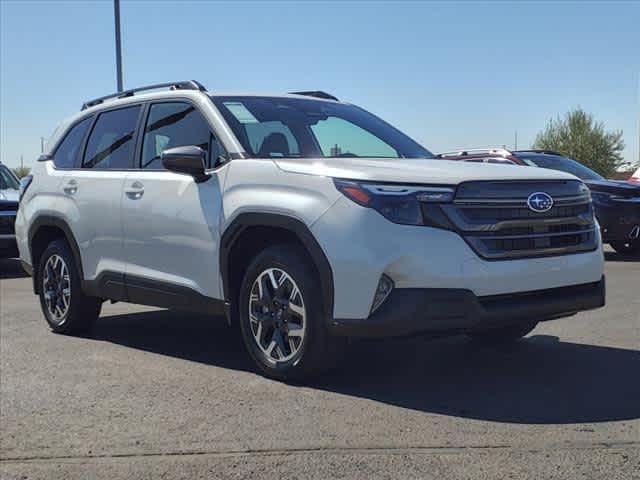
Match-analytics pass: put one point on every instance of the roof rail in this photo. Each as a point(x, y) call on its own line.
point(316, 94)
point(183, 85)
point(541, 150)
point(472, 151)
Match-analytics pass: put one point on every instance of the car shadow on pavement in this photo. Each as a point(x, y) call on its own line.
point(188, 336)
point(538, 380)
point(11, 268)
point(619, 257)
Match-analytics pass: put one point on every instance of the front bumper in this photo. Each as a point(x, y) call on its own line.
point(412, 311)
point(8, 246)
point(361, 245)
point(617, 220)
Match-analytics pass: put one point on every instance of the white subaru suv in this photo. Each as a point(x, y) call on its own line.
point(302, 219)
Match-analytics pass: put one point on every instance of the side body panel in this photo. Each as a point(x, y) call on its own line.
point(91, 204)
point(257, 192)
point(172, 229)
point(42, 198)
point(260, 186)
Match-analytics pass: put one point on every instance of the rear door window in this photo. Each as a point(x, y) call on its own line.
point(67, 152)
point(111, 143)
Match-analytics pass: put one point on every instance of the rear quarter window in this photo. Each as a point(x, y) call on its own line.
point(67, 152)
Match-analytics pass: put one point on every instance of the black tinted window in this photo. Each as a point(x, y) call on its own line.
point(111, 142)
point(172, 125)
point(67, 151)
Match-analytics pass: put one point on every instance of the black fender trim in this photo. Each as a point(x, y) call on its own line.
point(27, 268)
point(118, 286)
point(52, 221)
point(295, 226)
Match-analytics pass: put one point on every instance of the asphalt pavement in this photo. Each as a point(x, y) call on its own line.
point(160, 394)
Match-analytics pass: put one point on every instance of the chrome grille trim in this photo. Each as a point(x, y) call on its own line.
point(522, 203)
point(536, 235)
point(505, 228)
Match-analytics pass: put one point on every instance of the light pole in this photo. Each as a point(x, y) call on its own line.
point(116, 14)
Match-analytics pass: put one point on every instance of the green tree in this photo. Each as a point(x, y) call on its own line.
point(21, 171)
point(580, 137)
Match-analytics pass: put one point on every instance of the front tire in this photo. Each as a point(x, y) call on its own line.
point(504, 334)
point(282, 316)
point(66, 308)
point(626, 247)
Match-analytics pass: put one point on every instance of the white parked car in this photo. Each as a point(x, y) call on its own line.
point(304, 219)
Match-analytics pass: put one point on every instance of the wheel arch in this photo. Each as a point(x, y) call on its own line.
point(43, 230)
point(284, 228)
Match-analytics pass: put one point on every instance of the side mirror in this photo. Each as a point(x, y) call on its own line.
point(190, 160)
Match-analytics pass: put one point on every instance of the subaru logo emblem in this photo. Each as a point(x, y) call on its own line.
point(540, 202)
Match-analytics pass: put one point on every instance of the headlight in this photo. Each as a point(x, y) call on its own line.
point(398, 203)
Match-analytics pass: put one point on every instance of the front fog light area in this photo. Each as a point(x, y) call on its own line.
point(385, 285)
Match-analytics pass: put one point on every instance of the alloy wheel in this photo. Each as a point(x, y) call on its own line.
point(277, 315)
point(56, 285)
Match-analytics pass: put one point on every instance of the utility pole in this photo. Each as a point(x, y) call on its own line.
point(116, 14)
point(516, 141)
point(21, 161)
point(41, 144)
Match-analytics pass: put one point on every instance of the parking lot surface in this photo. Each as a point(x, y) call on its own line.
point(160, 394)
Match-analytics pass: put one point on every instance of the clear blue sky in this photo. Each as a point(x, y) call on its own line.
point(449, 74)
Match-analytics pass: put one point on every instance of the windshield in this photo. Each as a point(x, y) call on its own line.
point(7, 180)
point(563, 164)
point(274, 127)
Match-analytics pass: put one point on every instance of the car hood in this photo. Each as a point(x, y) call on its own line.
point(9, 195)
point(624, 189)
point(419, 171)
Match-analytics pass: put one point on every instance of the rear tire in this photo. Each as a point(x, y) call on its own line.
point(626, 247)
point(282, 316)
point(504, 334)
point(66, 308)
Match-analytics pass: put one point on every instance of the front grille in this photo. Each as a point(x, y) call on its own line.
point(490, 213)
point(494, 219)
point(7, 225)
point(8, 206)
